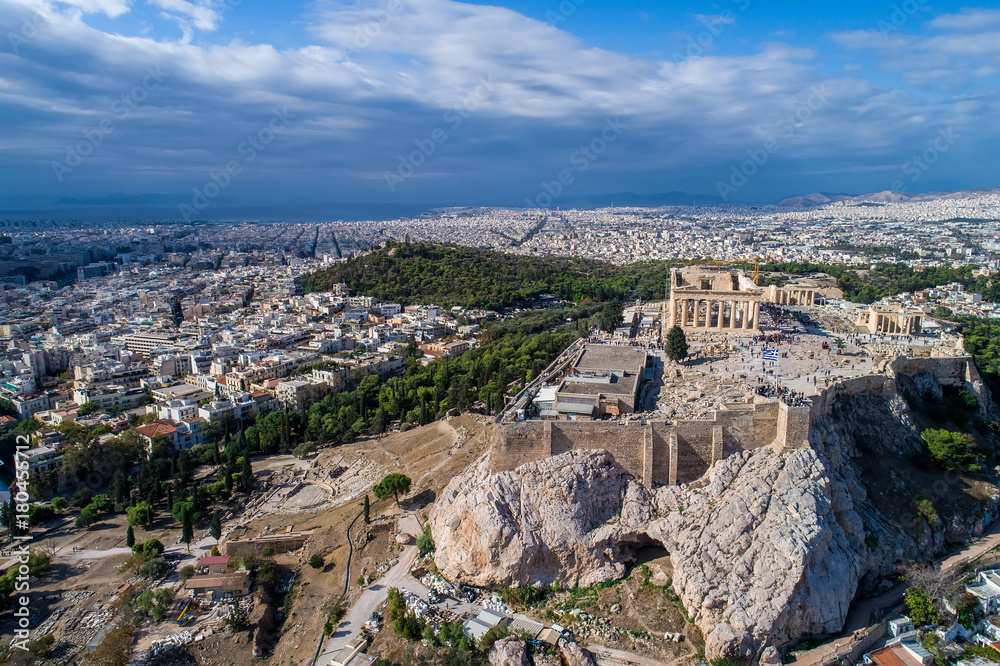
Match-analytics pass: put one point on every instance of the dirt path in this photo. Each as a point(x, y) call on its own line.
point(93, 554)
point(612, 657)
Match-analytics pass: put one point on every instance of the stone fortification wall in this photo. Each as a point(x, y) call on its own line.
point(947, 370)
point(661, 453)
point(656, 452)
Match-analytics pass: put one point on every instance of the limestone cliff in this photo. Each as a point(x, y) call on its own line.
point(769, 548)
point(766, 547)
point(564, 518)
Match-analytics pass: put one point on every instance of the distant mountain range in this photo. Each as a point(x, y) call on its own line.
point(887, 196)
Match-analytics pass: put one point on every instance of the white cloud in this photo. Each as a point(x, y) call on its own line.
point(374, 81)
point(968, 19)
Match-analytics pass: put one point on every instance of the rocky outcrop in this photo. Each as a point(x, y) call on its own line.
point(768, 549)
point(510, 651)
point(575, 654)
point(571, 518)
point(765, 548)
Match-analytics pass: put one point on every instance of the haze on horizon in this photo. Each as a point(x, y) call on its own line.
point(452, 103)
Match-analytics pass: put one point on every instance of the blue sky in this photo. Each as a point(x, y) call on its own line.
point(399, 101)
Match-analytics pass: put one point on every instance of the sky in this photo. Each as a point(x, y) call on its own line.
point(507, 103)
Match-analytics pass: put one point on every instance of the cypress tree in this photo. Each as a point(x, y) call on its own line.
point(129, 537)
point(187, 530)
point(216, 527)
point(246, 475)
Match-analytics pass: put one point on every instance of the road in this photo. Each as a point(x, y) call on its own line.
point(368, 603)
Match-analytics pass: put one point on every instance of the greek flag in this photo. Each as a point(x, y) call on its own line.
point(770, 354)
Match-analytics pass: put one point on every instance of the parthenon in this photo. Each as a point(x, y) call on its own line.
point(713, 299)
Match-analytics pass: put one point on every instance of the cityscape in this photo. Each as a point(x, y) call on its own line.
point(441, 333)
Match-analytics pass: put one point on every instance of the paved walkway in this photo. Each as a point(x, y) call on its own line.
point(369, 601)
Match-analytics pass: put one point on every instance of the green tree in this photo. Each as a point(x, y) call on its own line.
point(87, 517)
point(88, 408)
point(921, 607)
point(129, 537)
point(950, 449)
point(677, 346)
point(82, 497)
point(120, 488)
point(140, 514)
point(392, 484)
point(942, 312)
point(610, 317)
point(58, 503)
point(368, 508)
point(316, 561)
point(187, 530)
point(215, 528)
point(246, 475)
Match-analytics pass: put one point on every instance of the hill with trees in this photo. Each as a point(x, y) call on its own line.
point(474, 278)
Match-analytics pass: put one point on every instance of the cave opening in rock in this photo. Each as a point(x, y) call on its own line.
point(643, 550)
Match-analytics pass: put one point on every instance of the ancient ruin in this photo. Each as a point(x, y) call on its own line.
point(704, 298)
point(758, 501)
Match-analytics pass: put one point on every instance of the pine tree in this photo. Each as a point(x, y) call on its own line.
point(187, 530)
point(368, 508)
point(129, 537)
point(216, 527)
point(677, 346)
point(170, 497)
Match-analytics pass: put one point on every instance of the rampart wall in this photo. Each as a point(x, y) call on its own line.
point(657, 452)
point(663, 453)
